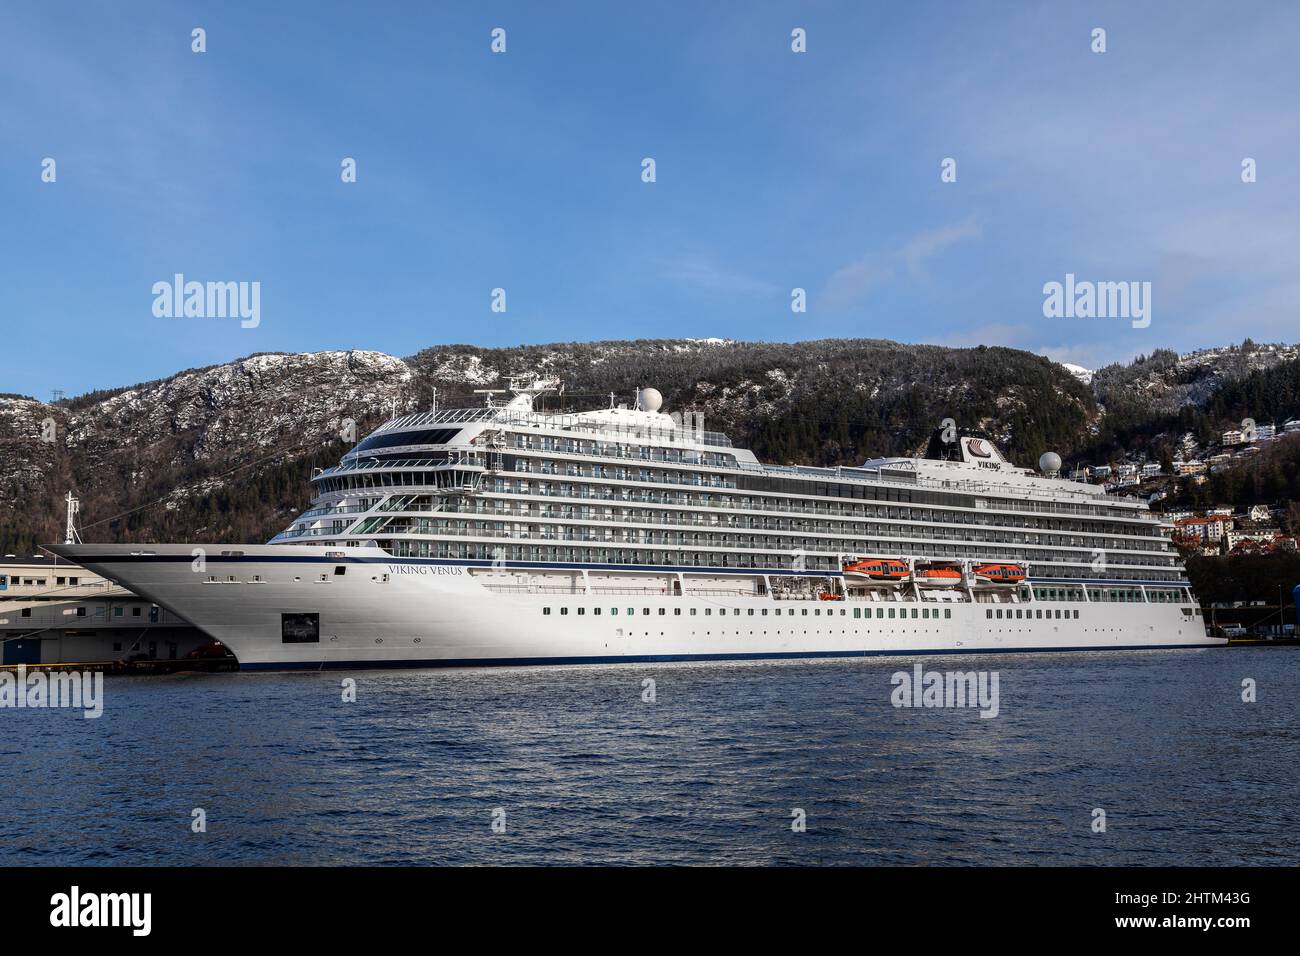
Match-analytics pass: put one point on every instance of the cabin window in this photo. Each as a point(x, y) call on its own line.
point(564, 610)
point(340, 570)
point(546, 610)
point(947, 612)
point(582, 610)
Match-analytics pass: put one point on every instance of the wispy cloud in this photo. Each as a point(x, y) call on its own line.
point(701, 273)
point(854, 282)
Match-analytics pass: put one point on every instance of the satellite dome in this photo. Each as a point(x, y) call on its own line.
point(1049, 462)
point(650, 399)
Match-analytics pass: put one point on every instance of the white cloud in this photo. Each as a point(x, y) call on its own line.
point(701, 273)
point(852, 283)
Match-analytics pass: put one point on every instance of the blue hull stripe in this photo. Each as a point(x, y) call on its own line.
point(665, 658)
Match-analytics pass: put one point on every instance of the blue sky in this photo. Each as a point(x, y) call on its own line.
point(522, 171)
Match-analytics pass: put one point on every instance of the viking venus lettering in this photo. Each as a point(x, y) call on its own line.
point(506, 534)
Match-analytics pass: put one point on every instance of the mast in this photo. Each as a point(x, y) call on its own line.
point(70, 535)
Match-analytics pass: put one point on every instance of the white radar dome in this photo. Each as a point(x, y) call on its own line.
point(650, 399)
point(1049, 462)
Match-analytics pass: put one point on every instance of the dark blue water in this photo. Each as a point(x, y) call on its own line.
point(587, 772)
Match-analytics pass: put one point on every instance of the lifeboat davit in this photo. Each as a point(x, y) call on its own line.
point(939, 574)
point(1000, 573)
point(877, 569)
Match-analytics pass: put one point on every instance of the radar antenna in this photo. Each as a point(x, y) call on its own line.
point(489, 392)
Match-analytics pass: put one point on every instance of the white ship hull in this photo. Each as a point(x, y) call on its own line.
point(384, 611)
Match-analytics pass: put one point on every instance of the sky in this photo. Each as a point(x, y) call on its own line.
point(523, 171)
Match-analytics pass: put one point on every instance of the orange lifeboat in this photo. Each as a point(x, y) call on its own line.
point(941, 574)
point(878, 569)
point(827, 596)
point(1000, 573)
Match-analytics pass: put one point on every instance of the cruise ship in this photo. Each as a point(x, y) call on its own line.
point(508, 534)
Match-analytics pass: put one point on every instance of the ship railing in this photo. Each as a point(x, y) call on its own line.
point(939, 531)
point(562, 421)
point(491, 585)
point(924, 547)
point(1067, 572)
point(312, 533)
point(1016, 500)
point(328, 510)
point(1047, 566)
point(599, 589)
point(454, 460)
point(1045, 506)
point(649, 535)
point(550, 446)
